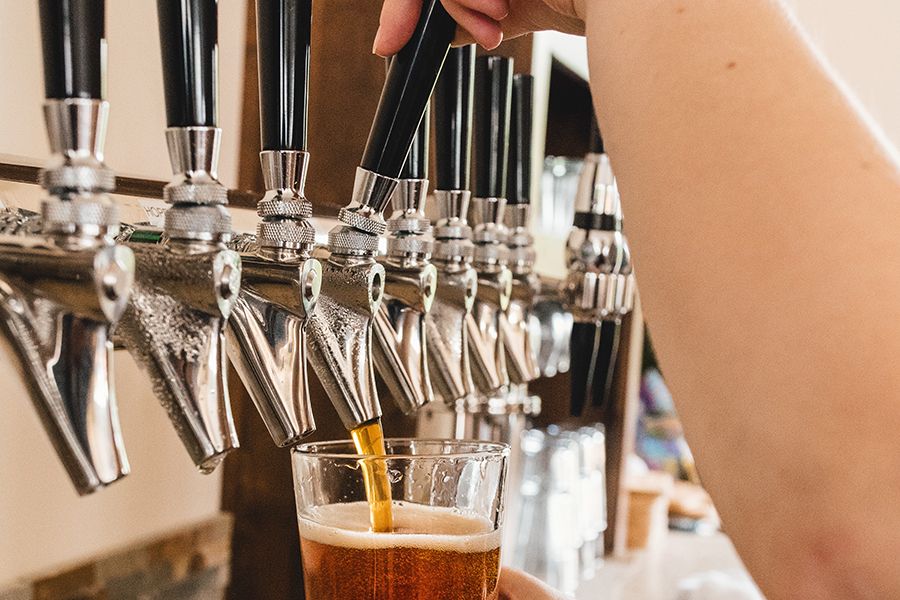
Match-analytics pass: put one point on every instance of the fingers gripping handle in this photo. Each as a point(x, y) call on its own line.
point(74, 44)
point(410, 81)
point(188, 34)
point(283, 30)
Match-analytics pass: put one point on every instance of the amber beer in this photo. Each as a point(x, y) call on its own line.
point(368, 439)
point(433, 553)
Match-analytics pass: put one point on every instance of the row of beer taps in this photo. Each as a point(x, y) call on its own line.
point(440, 310)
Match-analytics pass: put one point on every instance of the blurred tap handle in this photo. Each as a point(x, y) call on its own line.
point(596, 143)
point(74, 47)
point(518, 187)
point(188, 35)
point(453, 98)
point(594, 349)
point(410, 81)
point(493, 97)
point(283, 29)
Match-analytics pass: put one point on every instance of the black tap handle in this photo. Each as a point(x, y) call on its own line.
point(518, 187)
point(188, 34)
point(416, 164)
point(596, 146)
point(283, 39)
point(453, 119)
point(605, 369)
point(493, 80)
point(594, 350)
point(73, 36)
point(584, 348)
point(409, 84)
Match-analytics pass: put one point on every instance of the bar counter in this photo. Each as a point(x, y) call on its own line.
point(657, 574)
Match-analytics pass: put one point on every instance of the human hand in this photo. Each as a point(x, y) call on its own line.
point(516, 585)
point(486, 22)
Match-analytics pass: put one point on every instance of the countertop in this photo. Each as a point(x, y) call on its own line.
point(656, 574)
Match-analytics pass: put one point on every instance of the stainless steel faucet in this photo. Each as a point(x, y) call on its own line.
point(450, 319)
point(518, 338)
point(187, 285)
point(353, 282)
point(599, 289)
point(267, 331)
point(491, 255)
point(61, 294)
point(401, 340)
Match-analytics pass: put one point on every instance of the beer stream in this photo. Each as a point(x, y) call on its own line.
point(369, 441)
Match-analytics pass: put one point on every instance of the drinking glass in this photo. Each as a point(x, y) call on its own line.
point(446, 510)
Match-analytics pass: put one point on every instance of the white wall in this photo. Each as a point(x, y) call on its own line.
point(42, 522)
point(861, 40)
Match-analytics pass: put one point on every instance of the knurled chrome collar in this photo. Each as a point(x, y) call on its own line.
point(279, 206)
point(202, 223)
point(411, 225)
point(491, 254)
point(285, 233)
point(348, 240)
point(453, 250)
point(368, 223)
point(200, 190)
point(407, 245)
point(458, 230)
point(91, 178)
point(371, 193)
point(96, 211)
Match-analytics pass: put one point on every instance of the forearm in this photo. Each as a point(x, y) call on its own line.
point(765, 219)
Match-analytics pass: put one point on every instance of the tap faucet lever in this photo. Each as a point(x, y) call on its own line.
point(410, 81)
point(62, 294)
point(493, 80)
point(187, 285)
point(517, 328)
point(341, 335)
point(600, 287)
point(267, 331)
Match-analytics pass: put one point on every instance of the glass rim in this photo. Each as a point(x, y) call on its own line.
point(486, 449)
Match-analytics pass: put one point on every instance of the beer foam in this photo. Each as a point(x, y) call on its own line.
point(347, 525)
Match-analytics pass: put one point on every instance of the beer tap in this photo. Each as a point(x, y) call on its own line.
point(280, 280)
point(516, 321)
point(62, 293)
point(187, 284)
point(353, 282)
point(450, 319)
point(409, 286)
point(599, 289)
point(491, 256)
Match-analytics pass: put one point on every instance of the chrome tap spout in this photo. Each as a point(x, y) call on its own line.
point(267, 331)
point(62, 294)
point(340, 335)
point(401, 333)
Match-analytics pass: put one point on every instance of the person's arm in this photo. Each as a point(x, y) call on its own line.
point(765, 220)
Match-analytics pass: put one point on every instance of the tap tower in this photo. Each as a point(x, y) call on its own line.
point(267, 330)
point(493, 81)
point(353, 281)
point(188, 283)
point(599, 289)
point(62, 293)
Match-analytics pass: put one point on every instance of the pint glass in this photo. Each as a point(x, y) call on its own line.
point(447, 510)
